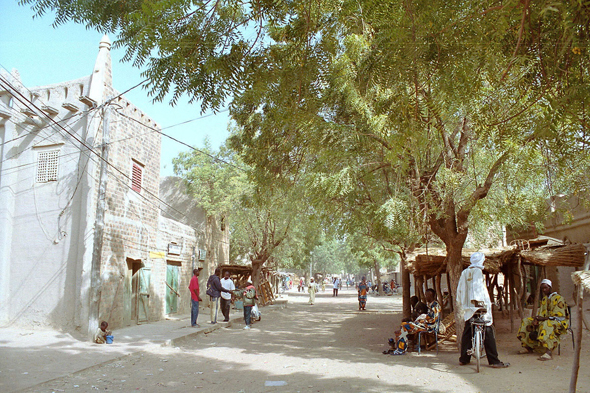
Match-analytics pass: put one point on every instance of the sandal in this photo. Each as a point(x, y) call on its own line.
point(545, 357)
point(500, 365)
point(525, 351)
point(398, 352)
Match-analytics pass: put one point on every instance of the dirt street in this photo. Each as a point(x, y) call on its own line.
point(327, 347)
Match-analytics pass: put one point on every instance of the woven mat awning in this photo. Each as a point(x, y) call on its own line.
point(571, 255)
point(582, 278)
point(431, 265)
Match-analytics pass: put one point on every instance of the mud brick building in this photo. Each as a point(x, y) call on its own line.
point(56, 269)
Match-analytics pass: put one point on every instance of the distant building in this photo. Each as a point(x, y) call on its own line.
point(51, 138)
point(568, 221)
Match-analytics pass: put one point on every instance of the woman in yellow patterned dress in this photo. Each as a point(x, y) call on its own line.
point(541, 333)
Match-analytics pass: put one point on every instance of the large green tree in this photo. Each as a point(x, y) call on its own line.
point(456, 98)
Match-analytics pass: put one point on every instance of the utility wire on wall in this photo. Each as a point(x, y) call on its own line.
point(30, 105)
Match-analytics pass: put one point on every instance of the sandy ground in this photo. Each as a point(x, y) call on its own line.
point(327, 347)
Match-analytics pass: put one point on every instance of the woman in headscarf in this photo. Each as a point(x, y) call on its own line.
point(363, 289)
point(541, 333)
point(426, 322)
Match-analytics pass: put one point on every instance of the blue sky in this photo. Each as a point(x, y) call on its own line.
point(45, 55)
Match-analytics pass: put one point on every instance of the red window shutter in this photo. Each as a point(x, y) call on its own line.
point(136, 177)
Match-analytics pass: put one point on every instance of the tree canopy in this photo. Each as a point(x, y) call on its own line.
point(390, 120)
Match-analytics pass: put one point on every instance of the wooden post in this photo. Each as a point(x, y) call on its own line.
point(420, 287)
point(493, 285)
point(509, 302)
point(521, 288)
point(407, 308)
point(438, 289)
point(579, 328)
point(539, 276)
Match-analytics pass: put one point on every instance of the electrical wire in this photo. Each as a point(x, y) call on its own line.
point(23, 128)
point(185, 144)
point(30, 105)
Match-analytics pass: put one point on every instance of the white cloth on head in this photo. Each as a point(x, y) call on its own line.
point(477, 259)
point(546, 281)
point(472, 287)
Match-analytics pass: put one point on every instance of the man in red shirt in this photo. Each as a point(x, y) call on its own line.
point(195, 298)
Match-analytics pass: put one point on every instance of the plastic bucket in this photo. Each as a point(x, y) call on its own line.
point(109, 339)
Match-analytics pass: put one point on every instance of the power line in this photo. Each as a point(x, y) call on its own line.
point(86, 113)
point(30, 105)
point(152, 129)
point(185, 144)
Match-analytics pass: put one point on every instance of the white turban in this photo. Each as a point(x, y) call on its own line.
point(477, 259)
point(545, 281)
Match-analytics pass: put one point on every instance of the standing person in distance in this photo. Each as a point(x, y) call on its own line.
point(228, 284)
point(336, 285)
point(193, 287)
point(312, 289)
point(363, 290)
point(472, 287)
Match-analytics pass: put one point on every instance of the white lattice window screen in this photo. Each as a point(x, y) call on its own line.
point(47, 164)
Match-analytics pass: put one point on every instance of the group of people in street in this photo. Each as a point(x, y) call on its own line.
point(313, 288)
point(220, 292)
point(538, 334)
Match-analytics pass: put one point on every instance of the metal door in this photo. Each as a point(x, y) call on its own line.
point(144, 295)
point(172, 273)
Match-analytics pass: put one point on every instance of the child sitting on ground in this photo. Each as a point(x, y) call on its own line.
point(100, 337)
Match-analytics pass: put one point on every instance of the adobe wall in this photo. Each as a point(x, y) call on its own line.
point(131, 219)
point(40, 221)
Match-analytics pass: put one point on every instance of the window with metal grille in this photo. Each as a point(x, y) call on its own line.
point(136, 174)
point(47, 164)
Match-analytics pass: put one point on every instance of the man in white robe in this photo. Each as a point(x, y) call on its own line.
point(472, 287)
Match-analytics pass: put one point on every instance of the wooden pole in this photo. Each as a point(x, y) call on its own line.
point(438, 289)
point(579, 329)
point(514, 303)
point(536, 300)
point(521, 286)
point(509, 302)
point(407, 308)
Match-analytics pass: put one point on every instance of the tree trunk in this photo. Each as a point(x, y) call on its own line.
point(257, 272)
point(378, 275)
point(407, 307)
point(455, 268)
point(451, 294)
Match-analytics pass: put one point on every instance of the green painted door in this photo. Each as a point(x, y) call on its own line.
point(172, 274)
point(144, 295)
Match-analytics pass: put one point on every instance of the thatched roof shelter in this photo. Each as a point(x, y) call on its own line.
point(570, 255)
point(582, 278)
point(542, 251)
point(434, 262)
